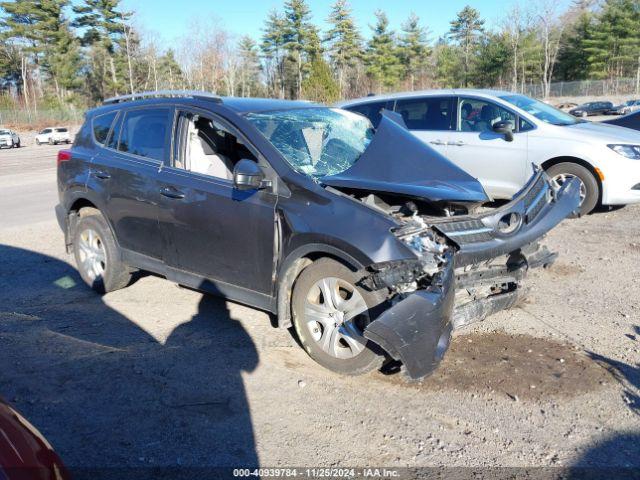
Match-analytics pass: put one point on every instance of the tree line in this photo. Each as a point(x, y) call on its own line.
point(57, 53)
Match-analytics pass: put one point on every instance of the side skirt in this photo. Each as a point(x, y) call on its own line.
point(215, 287)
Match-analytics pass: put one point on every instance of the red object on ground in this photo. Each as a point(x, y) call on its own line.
point(24, 453)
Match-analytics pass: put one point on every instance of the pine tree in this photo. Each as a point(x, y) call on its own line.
point(273, 50)
point(414, 48)
point(169, 71)
point(300, 39)
point(447, 64)
point(249, 66)
point(573, 61)
point(613, 42)
point(104, 27)
point(466, 30)
point(493, 66)
point(44, 33)
point(320, 85)
point(343, 40)
point(382, 57)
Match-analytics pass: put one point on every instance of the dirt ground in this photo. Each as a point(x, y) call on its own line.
point(159, 376)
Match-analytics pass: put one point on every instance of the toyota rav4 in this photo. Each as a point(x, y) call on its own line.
point(372, 245)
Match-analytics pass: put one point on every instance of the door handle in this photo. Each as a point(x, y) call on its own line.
point(171, 192)
point(102, 175)
point(459, 143)
point(437, 142)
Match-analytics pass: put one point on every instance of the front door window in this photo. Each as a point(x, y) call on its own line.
point(480, 115)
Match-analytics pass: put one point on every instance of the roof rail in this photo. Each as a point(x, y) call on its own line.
point(163, 94)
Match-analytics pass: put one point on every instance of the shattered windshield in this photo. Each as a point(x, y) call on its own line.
point(316, 141)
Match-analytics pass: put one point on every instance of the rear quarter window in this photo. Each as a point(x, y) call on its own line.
point(101, 125)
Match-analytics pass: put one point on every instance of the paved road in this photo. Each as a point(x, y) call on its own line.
point(28, 191)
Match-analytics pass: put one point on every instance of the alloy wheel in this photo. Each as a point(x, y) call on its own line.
point(562, 178)
point(333, 314)
point(92, 253)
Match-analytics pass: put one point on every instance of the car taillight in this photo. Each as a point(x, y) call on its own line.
point(63, 156)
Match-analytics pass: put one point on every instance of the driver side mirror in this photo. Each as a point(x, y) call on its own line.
point(504, 128)
point(247, 175)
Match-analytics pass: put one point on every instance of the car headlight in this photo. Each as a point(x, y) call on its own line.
point(629, 151)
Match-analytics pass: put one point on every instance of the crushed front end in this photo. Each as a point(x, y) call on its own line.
point(466, 267)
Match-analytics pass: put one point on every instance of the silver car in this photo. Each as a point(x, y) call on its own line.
point(9, 139)
point(496, 136)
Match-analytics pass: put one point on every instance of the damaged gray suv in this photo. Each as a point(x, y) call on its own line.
point(368, 242)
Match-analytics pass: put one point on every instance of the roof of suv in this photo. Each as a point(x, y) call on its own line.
point(421, 93)
point(238, 104)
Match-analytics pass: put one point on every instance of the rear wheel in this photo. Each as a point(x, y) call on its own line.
point(96, 254)
point(330, 313)
point(589, 190)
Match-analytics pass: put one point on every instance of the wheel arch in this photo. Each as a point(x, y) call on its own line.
point(294, 264)
point(578, 161)
point(80, 201)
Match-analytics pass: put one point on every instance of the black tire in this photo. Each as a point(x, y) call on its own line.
point(16, 145)
point(370, 358)
point(115, 275)
point(37, 142)
point(591, 184)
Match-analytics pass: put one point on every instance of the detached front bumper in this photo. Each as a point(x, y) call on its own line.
point(417, 329)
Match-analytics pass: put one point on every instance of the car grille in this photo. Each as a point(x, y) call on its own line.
point(467, 231)
point(535, 199)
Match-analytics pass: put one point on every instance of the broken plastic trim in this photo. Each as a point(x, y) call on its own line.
point(391, 274)
point(417, 329)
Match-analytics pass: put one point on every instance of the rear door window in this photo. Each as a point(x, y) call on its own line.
point(144, 133)
point(373, 111)
point(427, 113)
point(102, 125)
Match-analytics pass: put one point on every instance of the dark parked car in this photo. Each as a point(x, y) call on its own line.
point(592, 108)
point(24, 452)
point(631, 120)
point(371, 244)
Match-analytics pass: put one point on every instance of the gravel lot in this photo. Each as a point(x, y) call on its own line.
point(159, 376)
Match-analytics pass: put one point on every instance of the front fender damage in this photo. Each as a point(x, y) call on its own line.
point(416, 330)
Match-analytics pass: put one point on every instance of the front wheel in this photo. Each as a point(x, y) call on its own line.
point(330, 313)
point(37, 142)
point(96, 254)
point(589, 190)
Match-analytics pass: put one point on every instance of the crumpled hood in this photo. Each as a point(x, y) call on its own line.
point(398, 162)
point(605, 132)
